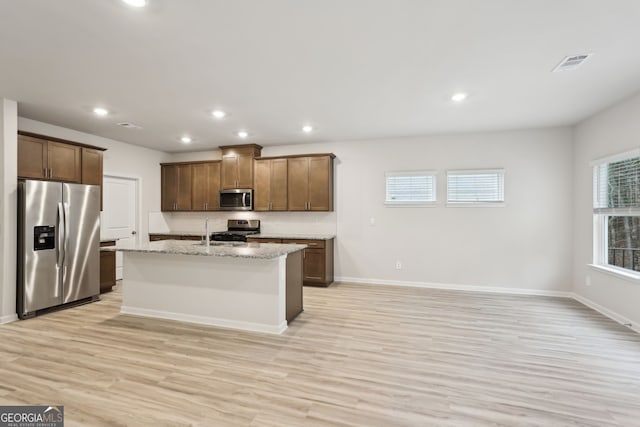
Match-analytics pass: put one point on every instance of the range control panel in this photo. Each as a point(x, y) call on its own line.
point(44, 237)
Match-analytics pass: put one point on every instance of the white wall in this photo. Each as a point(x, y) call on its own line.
point(195, 156)
point(612, 131)
point(120, 159)
point(524, 246)
point(8, 208)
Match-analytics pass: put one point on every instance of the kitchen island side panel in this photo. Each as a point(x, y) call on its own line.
point(228, 292)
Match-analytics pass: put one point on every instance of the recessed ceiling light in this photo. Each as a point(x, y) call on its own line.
point(99, 111)
point(136, 3)
point(186, 139)
point(307, 128)
point(243, 134)
point(459, 97)
point(218, 114)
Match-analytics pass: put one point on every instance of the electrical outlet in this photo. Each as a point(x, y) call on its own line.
point(372, 221)
point(398, 265)
point(587, 281)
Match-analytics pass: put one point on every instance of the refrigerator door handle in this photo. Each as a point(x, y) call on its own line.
point(61, 236)
point(66, 232)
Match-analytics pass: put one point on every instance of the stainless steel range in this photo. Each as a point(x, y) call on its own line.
point(237, 230)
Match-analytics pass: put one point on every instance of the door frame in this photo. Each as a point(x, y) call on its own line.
point(137, 203)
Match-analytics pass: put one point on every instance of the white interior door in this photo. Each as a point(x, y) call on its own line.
point(120, 213)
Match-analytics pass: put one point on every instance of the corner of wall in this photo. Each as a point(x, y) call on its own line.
point(8, 208)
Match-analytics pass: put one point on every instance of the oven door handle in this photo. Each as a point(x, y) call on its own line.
point(244, 200)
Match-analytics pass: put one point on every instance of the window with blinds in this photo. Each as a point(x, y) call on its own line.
point(410, 188)
point(475, 187)
point(616, 185)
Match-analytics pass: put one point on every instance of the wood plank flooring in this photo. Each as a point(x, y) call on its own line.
point(358, 356)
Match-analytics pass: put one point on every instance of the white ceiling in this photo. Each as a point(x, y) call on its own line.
point(355, 69)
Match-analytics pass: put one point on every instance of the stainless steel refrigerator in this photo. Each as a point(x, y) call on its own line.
point(58, 245)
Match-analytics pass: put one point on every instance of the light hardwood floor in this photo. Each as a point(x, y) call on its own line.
point(358, 356)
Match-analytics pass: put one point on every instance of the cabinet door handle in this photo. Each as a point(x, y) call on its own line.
point(206, 206)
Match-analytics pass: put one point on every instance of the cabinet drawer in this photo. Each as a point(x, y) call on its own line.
point(311, 244)
point(156, 237)
point(191, 238)
point(263, 240)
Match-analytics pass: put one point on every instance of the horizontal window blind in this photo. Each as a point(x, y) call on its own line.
point(482, 186)
point(410, 187)
point(616, 185)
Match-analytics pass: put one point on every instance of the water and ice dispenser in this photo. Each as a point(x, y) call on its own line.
point(44, 237)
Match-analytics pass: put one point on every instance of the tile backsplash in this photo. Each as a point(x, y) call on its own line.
point(270, 222)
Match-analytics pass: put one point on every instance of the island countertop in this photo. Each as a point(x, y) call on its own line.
point(217, 249)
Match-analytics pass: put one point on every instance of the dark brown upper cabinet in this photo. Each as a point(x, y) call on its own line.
point(205, 186)
point(270, 184)
point(237, 166)
point(310, 182)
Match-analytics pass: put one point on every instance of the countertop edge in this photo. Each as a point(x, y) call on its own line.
point(189, 249)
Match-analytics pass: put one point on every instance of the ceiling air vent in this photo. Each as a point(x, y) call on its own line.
point(129, 125)
point(572, 62)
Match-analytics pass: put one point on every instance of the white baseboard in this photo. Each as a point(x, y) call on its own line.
point(606, 312)
point(8, 318)
point(454, 287)
point(205, 320)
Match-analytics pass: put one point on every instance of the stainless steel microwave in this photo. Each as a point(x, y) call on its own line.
point(238, 199)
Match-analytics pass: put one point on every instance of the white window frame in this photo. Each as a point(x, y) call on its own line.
point(481, 203)
point(409, 203)
point(600, 229)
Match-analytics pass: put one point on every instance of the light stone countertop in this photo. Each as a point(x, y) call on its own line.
point(186, 233)
point(302, 236)
point(218, 249)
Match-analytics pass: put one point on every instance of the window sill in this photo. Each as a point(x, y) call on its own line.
point(476, 205)
point(617, 272)
point(410, 205)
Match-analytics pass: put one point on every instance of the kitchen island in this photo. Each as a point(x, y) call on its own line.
point(249, 286)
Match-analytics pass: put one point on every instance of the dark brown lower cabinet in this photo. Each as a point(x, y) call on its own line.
point(318, 258)
point(107, 268)
point(156, 237)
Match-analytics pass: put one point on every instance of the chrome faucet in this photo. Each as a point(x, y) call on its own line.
point(207, 237)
